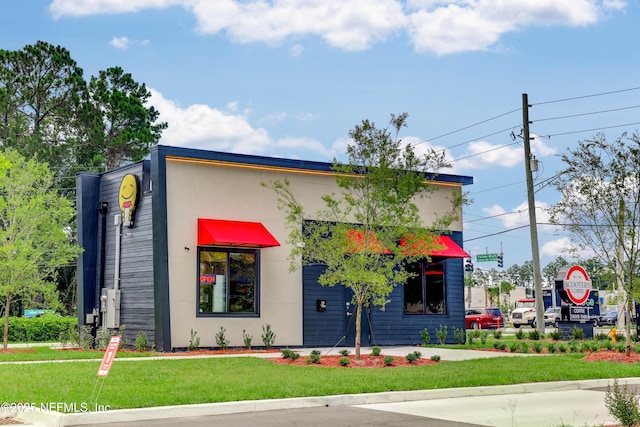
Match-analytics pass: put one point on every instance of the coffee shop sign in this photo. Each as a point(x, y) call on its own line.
point(577, 284)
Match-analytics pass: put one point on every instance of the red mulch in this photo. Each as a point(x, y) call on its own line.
point(366, 361)
point(228, 351)
point(613, 356)
point(18, 350)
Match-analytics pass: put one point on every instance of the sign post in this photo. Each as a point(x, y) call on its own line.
point(109, 355)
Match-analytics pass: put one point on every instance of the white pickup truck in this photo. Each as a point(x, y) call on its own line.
point(524, 313)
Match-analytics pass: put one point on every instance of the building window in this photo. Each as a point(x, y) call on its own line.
point(424, 292)
point(228, 281)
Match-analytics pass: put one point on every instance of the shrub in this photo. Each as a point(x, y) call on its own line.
point(103, 336)
point(435, 358)
point(290, 354)
point(600, 336)
point(537, 346)
point(483, 337)
point(142, 342)
point(314, 357)
point(221, 339)
point(426, 337)
point(268, 337)
point(247, 339)
point(534, 335)
point(344, 352)
point(411, 357)
point(555, 335)
point(524, 346)
point(375, 351)
point(344, 361)
point(608, 344)
point(594, 345)
point(387, 360)
point(499, 345)
point(84, 338)
point(552, 347)
point(194, 341)
point(497, 334)
point(622, 403)
point(519, 334)
point(441, 333)
point(562, 348)
point(573, 346)
point(46, 328)
point(513, 347)
point(577, 333)
point(459, 335)
point(621, 347)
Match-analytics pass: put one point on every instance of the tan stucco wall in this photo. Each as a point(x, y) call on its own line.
point(208, 190)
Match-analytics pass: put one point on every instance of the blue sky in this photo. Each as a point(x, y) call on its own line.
point(290, 78)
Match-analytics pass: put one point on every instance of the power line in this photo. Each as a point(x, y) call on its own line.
point(495, 234)
point(586, 96)
point(472, 125)
point(586, 114)
point(587, 130)
point(497, 215)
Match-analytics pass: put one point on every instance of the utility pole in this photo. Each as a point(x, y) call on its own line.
point(535, 254)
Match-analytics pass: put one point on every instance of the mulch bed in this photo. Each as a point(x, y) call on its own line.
point(366, 361)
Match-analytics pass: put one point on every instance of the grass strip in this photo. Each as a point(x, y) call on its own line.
point(134, 384)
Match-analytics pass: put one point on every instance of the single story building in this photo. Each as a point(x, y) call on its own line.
point(189, 241)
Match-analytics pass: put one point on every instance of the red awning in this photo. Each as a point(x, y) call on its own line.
point(450, 249)
point(234, 233)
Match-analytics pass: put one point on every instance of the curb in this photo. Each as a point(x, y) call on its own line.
point(56, 419)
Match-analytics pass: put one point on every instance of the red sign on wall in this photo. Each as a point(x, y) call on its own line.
point(109, 355)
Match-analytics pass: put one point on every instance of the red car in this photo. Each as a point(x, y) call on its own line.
point(484, 318)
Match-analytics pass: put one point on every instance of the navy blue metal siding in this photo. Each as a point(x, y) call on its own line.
point(388, 327)
point(136, 258)
point(87, 205)
point(321, 328)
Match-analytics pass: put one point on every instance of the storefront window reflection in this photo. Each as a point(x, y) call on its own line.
point(227, 281)
point(424, 292)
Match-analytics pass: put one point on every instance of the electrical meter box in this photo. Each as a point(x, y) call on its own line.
point(112, 314)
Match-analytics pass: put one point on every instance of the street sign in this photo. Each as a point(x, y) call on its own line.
point(486, 257)
point(109, 355)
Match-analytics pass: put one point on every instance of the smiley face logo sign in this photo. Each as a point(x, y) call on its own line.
point(128, 198)
point(577, 284)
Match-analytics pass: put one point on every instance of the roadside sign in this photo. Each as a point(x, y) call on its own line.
point(486, 257)
point(577, 284)
point(109, 355)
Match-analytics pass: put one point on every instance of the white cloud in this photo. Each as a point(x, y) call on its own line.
point(204, 127)
point(120, 42)
point(519, 215)
point(441, 27)
point(560, 247)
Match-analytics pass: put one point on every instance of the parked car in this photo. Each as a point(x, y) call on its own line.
point(609, 318)
point(552, 316)
point(484, 318)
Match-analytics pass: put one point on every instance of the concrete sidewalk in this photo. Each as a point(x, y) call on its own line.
point(567, 403)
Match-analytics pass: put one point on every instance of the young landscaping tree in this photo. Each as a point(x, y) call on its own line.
point(367, 234)
point(34, 234)
point(600, 207)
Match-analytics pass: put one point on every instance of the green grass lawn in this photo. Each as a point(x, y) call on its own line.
point(147, 383)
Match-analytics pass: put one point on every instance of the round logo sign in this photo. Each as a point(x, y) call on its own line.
point(577, 285)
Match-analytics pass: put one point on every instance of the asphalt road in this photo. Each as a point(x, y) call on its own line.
point(344, 416)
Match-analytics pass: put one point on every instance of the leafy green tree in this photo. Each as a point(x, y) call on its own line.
point(41, 88)
point(600, 187)
point(366, 235)
point(550, 271)
point(118, 126)
point(34, 234)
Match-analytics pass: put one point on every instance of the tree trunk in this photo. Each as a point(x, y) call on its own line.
point(5, 340)
point(358, 327)
point(627, 330)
